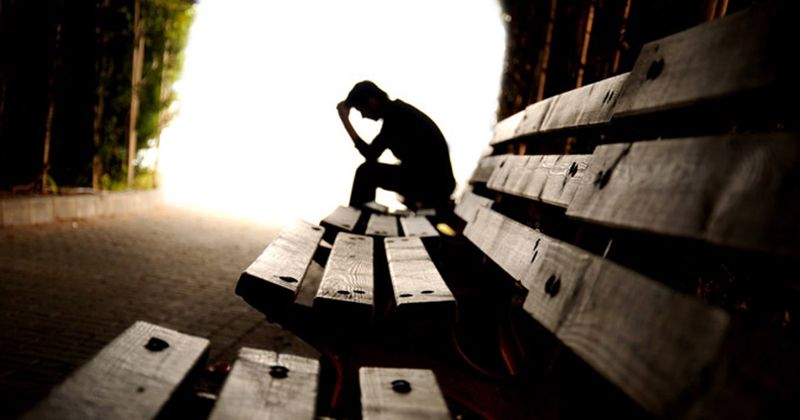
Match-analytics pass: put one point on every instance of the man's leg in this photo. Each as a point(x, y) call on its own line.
point(371, 175)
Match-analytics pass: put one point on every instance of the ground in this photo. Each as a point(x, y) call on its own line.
point(67, 289)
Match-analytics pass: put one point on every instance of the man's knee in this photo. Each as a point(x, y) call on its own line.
point(366, 169)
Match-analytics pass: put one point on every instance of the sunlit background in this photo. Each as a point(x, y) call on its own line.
point(257, 135)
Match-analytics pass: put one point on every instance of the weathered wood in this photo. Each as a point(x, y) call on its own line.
point(348, 277)
point(512, 245)
point(552, 179)
point(343, 218)
point(382, 225)
point(417, 226)
point(652, 342)
point(390, 393)
point(485, 168)
point(507, 128)
point(416, 282)
point(584, 107)
point(131, 378)
point(264, 384)
point(468, 205)
point(280, 268)
point(535, 114)
point(737, 190)
point(742, 52)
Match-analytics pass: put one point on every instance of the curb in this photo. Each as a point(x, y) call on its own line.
point(38, 210)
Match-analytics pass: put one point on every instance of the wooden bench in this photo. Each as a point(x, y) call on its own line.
point(148, 371)
point(628, 247)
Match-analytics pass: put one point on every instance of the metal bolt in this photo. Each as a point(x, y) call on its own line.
point(405, 295)
point(288, 279)
point(656, 67)
point(573, 169)
point(278, 372)
point(156, 344)
point(401, 386)
point(552, 285)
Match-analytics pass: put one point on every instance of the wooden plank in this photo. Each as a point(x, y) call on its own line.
point(126, 380)
point(279, 270)
point(552, 179)
point(512, 245)
point(416, 283)
point(468, 205)
point(742, 52)
point(535, 114)
point(418, 226)
point(343, 218)
point(348, 277)
point(586, 106)
point(265, 384)
point(391, 393)
point(735, 190)
point(485, 168)
point(507, 128)
point(382, 225)
point(652, 342)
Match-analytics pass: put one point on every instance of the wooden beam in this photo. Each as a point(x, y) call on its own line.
point(348, 281)
point(265, 384)
point(551, 179)
point(382, 225)
point(391, 393)
point(418, 226)
point(416, 283)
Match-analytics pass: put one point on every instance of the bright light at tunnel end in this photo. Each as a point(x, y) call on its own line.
point(257, 135)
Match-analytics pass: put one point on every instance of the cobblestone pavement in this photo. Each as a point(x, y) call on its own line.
point(67, 289)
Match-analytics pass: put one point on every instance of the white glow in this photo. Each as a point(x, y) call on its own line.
point(258, 135)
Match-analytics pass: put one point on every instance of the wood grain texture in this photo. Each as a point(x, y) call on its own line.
point(655, 344)
point(380, 401)
point(535, 115)
point(652, 342)
point(583, 107)
point(344, 218)
point(484, 169)
point(382, 225)
point(251, 392)
point(417, 226)
point(507, 128)
point(415, 279)
point(125, 380)
point(738, 53)
point(552, 179)
point(349, 276)
point(468, 205)
point(284, 262)
point(510, 244)
point(738, 190)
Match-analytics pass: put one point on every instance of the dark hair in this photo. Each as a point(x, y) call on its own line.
point(362, 91)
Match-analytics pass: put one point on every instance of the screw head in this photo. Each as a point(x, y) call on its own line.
point(156, 344)
point(552, 285)
point(401, 386)
point(278, 371)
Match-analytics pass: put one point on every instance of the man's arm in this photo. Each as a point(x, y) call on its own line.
point(361, 145)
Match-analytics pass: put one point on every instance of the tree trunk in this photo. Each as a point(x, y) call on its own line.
point(136, 77)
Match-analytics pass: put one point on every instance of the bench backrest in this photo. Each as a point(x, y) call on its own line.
point(632, 208)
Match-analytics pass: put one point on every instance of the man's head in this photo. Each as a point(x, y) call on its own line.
point(368, 98)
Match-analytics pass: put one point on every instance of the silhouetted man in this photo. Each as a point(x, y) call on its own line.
point(424, 176)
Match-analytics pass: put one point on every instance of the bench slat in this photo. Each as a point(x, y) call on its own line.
point(485, 168)
point(586, 106)
point(535, 115)
point(552, 179)
point(348, 276)
point(382, 225)
point(418, 226)
point(415, 279)
point(125, 380)
point(741, 52)
point(282, 265)
point(652, 342)
point(737, 190)
point(507, 128)
point(256, 388)
point(344, 218)
point(468, 205)
point(418, 398)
